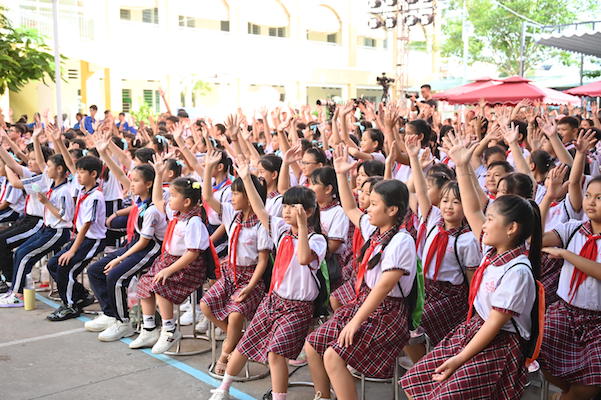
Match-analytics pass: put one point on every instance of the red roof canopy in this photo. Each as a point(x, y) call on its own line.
point(475, 85)
point(511, 91)
point(590, 89)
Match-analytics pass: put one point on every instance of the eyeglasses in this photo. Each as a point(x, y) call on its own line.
point(308, 162)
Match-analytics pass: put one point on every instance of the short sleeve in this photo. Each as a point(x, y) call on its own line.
point(196, 236)
point(340, 226)
point(89, 209)
point(470, 252)
point(227, 215)
point(399, 254)
point(378, 156)
point(318, 245)
point(149, 223)
point(264, 241)
point(565, 230)
point(66, 207)
point(569, 211)
point(510, 294)
point(277, 228)
point(367, 229)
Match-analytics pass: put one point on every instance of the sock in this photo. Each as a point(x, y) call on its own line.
point(169, 324)
point(148, 322)
point(279, 396)
point(226, 382)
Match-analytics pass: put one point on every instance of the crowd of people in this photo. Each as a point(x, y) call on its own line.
point(349, 236)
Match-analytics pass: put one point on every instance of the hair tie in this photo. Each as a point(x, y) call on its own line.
point(84, 152)
point(124, 144)
point(161, 139)
point(195, 185)
point(178, 162)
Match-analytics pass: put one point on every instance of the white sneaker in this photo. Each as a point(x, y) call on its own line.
point(185, 306)
point(186, 318)
point(116, 332)
point(166, 340)
point(145, 339)
point(203, 324)
point(405, 362)
point(100, 323)
point(219, 394)
point(11, 301)
point(300, 361)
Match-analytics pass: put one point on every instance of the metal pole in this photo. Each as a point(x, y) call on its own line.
point(581, 67)
point(57, 67)
point(523, 50)
point(464, 38)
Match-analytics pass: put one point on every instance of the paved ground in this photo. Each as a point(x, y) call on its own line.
point(60, 361)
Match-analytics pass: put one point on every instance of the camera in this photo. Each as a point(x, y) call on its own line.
point(329, 104)
point(409, 95)
point(359, 101)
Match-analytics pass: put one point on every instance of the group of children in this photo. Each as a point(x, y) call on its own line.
point(469, 245)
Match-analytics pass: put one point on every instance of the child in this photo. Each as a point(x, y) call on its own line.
point(181, 269)
point(269, 171)
point(111, 275)
point(235, 297)
point(368, 333)
point(88, 222)
point(449, 252)
point(282, 320)
point(58, 216)
point(502, 292)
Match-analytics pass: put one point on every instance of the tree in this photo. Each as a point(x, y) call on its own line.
point(497, 32)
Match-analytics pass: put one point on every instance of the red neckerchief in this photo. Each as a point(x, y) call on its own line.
point(375, 239)
point(588, 251)
point(329, 206)
point(272, 195)
point(251, 221)
point(49, 194)
point(4, 191)
point(79, 201)
point(438, 246)
point(283, 257)
point(358, 243)
point(226, 182)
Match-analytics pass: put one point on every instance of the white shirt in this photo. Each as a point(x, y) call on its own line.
point(300, 281)
point(398, 254)
point(188, 234)
point(154, 224)
point(561, 213)
point(92, 209)
point(335, 225)
point(514, 292)
point(468, 250)
point(250, 241)
point(15, 197)
point(111, 188)
point(274, 205)
point(223, 195)
point(588, 295)
point(61, 198)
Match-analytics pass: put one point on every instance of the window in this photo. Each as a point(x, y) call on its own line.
point(385, 43)
point(332, 38)
point(190, 22)
point(150, 15)
point(148, 100)
point(254, 29)
point(277, 32)
point(225, 26)
point(125, 14)
point(369, 42)
point(157, 101)
point(126, 100)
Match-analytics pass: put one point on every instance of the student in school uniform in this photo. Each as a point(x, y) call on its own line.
point(111, 275)
point(278, 329)
point(182, 267)
point(368, 333)
point(234, 298)
point(9, 211)
point(58, 217)
point(450, 253)
point(88, 221)
point(571, 350)
point(269, 171)
point(482, 357)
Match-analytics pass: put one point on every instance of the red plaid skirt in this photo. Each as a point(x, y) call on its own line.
point(377, 343)
point(497, 372)
point(345, 294)
point(179, 285)
point(445, 308)
point(219, 296)
point(549, 277)
point(279, 326)
point(571, 347)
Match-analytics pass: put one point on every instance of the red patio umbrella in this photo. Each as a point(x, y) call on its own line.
point(475, 85)
point(592, 89)
point(511, 91)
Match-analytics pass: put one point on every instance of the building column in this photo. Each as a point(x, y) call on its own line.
point(85, 74)
point(107, 88)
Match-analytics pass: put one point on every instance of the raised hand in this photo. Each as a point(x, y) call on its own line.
point(293, 154)
point(242, 167)
point(510, 133)
point(554, 181)
point(37, 130)
point(585, 141)
point(341, 160)
point(212, 159)
point(301, 215)
point(412, 145)
point(158, 163)
point(547, 125)
point(177, 130)
point(458, 149)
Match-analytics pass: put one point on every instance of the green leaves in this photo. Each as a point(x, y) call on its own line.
point(24, 56)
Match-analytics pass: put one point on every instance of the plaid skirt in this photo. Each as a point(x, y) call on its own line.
point(549, 277)
point(377, 343)
point(345, 294)
point(279, 326)
point(497, 372)
point(219, 297)
point(179, 285)
point(571, 348)
point(445, 307)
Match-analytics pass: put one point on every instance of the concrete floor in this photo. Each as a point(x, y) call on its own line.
point(60, 361)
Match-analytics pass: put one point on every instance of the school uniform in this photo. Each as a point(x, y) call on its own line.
point(113, 200)
point(571, 348)
point(24, 228)
point(110, 289)
point(185, 232)
point(50, 239)
point(503, 282)
point(246, 239)
point(89, 208)
point(446, 257)
point(14, 210)
point(273, 204)
point(335, 225)
point(282, 320)
point(381, 338)
point(222, 191)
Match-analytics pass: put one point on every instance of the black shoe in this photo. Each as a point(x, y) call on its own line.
point(86, 301)
point(64, 313)
point(4, 288)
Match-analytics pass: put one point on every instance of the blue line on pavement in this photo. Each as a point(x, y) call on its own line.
point(195, 373)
